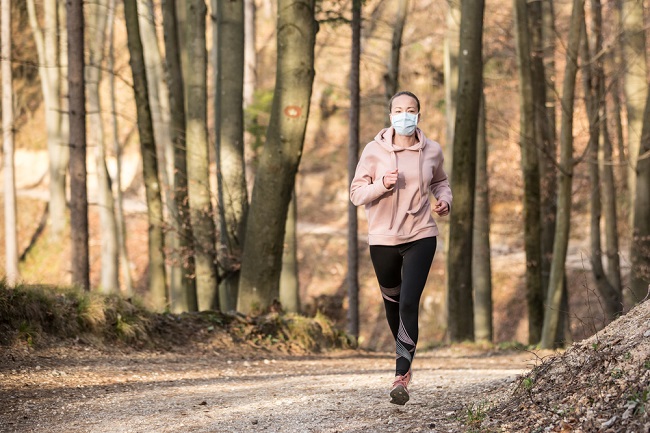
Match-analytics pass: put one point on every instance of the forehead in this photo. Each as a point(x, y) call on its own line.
point(404, 102)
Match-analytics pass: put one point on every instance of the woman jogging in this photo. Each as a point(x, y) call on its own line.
point(395, 174)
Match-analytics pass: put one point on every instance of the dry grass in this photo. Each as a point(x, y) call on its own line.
point(41, 315)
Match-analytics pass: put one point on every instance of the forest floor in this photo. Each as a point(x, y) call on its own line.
point(601, 384)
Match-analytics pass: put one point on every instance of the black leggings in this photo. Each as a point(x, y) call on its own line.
point(402, 272)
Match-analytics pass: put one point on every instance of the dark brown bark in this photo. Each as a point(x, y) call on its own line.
point(78, 187)
point(459, 269)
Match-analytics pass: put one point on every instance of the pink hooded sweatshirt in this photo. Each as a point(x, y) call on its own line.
point(402, 213)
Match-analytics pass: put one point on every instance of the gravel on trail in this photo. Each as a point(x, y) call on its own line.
point(81, 389)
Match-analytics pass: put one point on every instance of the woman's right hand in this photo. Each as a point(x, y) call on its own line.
point(390, 179)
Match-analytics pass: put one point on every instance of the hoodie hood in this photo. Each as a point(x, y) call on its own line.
point(385, 140)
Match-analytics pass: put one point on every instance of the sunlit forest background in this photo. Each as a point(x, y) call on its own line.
point(321, 187)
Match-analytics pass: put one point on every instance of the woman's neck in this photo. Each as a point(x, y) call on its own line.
point(404, 140)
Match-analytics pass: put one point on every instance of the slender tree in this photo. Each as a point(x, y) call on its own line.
point(262, 257)
point(481, 262)
point(119, 199)
point(231, 166)
point(593, 75)
point(12, 273)
point(183, 296)
point(46, 39)
point(459, 269)
point(452, 39)
point(544, 83)
point(353, 158)
point(530, 169)
point(157, 295)
point(160, 116)
point(563, 219)
point(78, 185)
point(640, 257)
point(97, 18)
point(636, 88)
point(201, 211)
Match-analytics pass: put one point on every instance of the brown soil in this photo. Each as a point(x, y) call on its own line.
point(81, 389)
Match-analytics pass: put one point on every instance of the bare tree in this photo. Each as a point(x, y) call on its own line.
point(12, 273)
point(157, 295)
point(97, 17)
point(262, 257)
point(593, 77)
point(460, 306)
point(46, 40)
point(231, 165)
point(353, 158)
point(481, 261)
point(201, 211)
point(183, 296)
point(636, 88)
point(531, 171)
point(640, 278)
point(78, 186)
point(452, 39)
point(563, 219)
point(119, 200)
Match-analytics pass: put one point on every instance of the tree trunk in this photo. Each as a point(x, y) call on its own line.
point(481, 263)
point(353, 158)
point(563, 219)
point(78, 187)
point(548, 171)
point(231, 165)
point(636, 89)
point(201, 212)
point(530, 168)
point(160, 116)
point(593, 76)
point(158, 298)
point(459, 269)
point(158, 95)
point(250, 52)
point(119, 207)
point(262, 258)
point(183, 297)
point(109, 250)
point(452, 39)
point(59, 153)
point(391, 78)
point(12, 273)
point(616, 61)
point(64, 94)
point(289, 284)
point(640, 257)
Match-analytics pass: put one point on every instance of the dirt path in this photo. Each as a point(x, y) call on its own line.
point(85, 390)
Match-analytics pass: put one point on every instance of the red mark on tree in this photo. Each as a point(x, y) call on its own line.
point(292, 111)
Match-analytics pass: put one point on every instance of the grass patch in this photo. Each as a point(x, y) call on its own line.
point(38, 315)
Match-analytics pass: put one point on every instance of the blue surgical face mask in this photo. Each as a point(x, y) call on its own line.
point(404, 123)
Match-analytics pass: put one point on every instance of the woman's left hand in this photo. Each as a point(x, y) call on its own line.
point(441, 208)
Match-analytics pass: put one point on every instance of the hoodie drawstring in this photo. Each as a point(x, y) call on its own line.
point(393, 208)
point(419, 205)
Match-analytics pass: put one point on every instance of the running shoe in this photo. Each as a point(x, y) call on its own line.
point(399, 393)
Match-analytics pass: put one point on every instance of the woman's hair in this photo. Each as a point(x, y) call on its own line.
point(404, 92)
